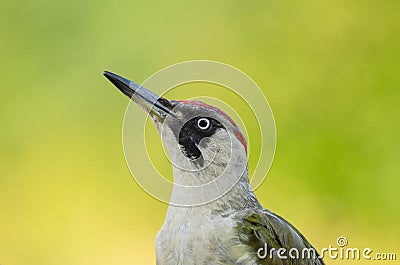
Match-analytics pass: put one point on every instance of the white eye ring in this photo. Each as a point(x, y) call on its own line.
point(203, 123)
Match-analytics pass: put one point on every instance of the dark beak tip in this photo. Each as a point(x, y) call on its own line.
point(120, 82)
point(108, 74)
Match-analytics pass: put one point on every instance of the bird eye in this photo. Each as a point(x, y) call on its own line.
point(203, 123)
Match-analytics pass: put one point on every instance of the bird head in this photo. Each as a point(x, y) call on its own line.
point(203, 142)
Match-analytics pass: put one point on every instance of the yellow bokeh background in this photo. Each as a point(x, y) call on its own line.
point(329, 69)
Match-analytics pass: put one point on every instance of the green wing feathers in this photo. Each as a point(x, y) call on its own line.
point(277, 238)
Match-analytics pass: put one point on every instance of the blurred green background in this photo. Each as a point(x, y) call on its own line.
point(330, 70)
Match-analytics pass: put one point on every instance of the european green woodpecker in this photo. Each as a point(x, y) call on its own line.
point(214, 217)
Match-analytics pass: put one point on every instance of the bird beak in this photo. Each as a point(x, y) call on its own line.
point(150, 102)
